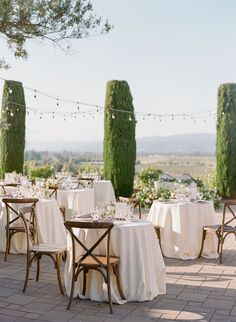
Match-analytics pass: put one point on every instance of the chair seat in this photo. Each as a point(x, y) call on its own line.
point(18, 228)
point(48, 248)
point(229, 229)
point(212, 227)
point(89, 261)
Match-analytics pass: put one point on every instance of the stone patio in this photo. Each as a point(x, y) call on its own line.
point(197, 290)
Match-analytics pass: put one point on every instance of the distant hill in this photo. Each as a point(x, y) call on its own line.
point(199, 143)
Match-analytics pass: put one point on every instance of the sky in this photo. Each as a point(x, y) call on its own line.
point(174, 54)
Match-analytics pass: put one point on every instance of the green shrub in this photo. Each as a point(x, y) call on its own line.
point(147, 195)
point(41, 172)
point(146, 177)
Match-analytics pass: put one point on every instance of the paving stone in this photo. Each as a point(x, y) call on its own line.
point(190, 296)
point(211, 303)
point(37, 307)
point(10, 312)
point(189, 316)
point(4, 291)
point(19, 299)
point(6, 318)
point(59, 316)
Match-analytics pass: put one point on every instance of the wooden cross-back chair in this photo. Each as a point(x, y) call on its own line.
point(91, 260)
point(227, 227)
point(35, 251)
point(53, 191)
point(86, 182)
point(3, 186)
point(13, 222)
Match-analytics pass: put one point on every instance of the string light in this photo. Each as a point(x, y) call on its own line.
point(131, 114)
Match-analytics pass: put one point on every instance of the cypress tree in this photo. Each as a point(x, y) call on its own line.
point(226, 141)
point(119, 145)
point(12, 139)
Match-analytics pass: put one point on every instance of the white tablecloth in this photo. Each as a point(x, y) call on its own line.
point(182, 223)
point(51, 228)
point(76, 202)
point(142, 269)
point(103, 192)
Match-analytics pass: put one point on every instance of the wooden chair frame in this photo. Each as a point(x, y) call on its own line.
point(222, 231)
point(10, 229)
point(89, 260)
point(36, 251)
point(86, 182)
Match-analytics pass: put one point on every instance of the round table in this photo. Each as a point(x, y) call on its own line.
point(181, 228)
point(142, 269)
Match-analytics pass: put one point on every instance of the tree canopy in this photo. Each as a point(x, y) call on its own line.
point(55, 20)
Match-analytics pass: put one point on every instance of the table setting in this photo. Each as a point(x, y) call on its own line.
point(142, 269)
point(181, 219)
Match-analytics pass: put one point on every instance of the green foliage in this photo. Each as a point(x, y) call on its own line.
point(210, 194)
point(146, 177)
point(90, 168)
point(119, 153)
point(147, 195)
point(41, 172)
point(57, 21)
point(12, 139)
point(226, 141)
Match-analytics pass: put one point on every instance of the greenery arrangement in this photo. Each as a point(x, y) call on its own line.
point(148, 193)
point(13, 137)
point(146, 177)
point(119, 150)
point(226, 141)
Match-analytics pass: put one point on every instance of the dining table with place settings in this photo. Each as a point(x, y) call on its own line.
point(181, 225)
point(142, 269)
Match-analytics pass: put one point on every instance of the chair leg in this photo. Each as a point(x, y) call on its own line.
point(27, 272)
point(221, 248)
point(84, 281)
point(38, 266)
point(109, 289)
point(117, 275)
point(72, 288)
point(59, 273)
point(7, 244)
point(204, 232)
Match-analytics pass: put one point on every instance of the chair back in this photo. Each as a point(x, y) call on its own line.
point(86, 182)
point(230, 220)
point(53, 191)
point(11, 202)
point(89, 251)
point(31, 234)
